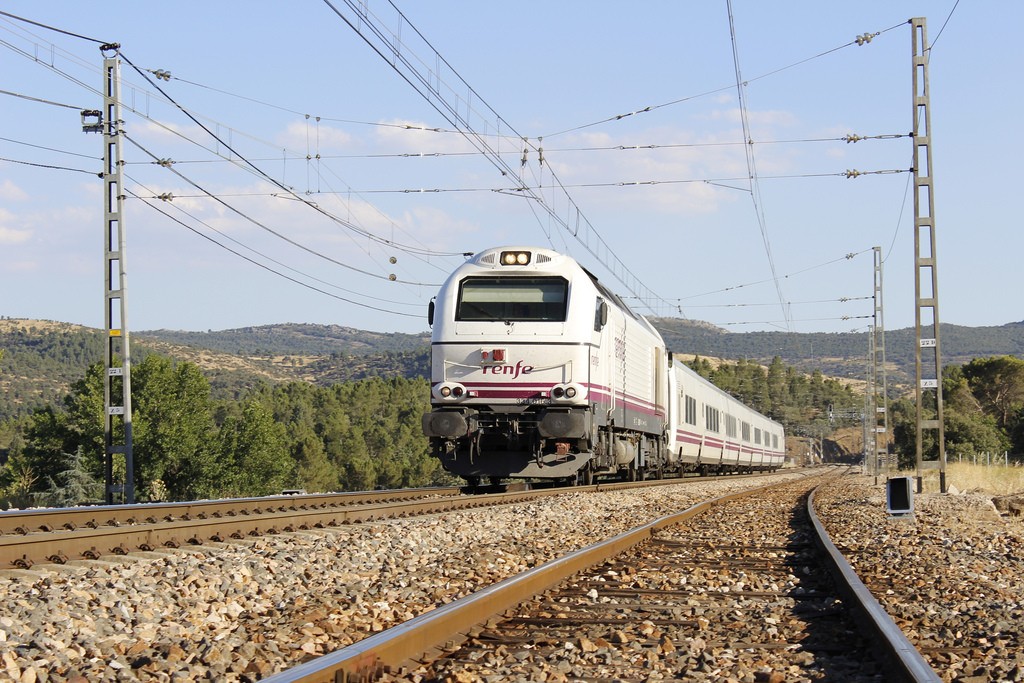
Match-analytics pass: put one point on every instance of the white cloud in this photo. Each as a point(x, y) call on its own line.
point(316, 137)
point(9, 232)
point(12, 236)
point(12, 192)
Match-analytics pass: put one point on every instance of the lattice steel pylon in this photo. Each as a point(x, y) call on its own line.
point(117, 397)
point(930, 444)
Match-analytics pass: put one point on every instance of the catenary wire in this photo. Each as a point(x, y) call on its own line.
point(714, 91)
point(754, 180)
point(279, 274)
point(155, 195)
point(267, 228)
point(424, 85)
point(416, 251)
point(257, 170)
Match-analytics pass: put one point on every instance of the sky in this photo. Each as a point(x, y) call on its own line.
point(317, 176)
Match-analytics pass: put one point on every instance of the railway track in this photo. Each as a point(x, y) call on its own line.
point(61, 535)
point(29, 537)
point(730, 589)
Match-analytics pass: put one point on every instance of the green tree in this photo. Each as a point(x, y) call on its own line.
point(73, 485)
point(78, 426)
point(17, 482)
point(253, 460)
point(172, 423)
point(313, 471)
point(998, 384)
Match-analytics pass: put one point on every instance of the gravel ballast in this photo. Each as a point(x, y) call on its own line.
point(240, 611)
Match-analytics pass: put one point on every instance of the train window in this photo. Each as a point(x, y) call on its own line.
point(745, 428)
point(691, 410)
point(775, 442)
point(757, 435)
point(730, 425)
point(513, 298)
point(711, 418)
point(600, 315)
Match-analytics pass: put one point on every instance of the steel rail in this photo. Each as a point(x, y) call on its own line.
point(909, 663)
point(390, 649)
point(23, 551)
point(60, 535)
point(406, 643)
point(21, 522)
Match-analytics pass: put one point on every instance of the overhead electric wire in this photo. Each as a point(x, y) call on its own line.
point(271, 105)
point(53, 167)
point(416, 251)
point(267, 228)
point(524, 188)
point(943, 28)
point(52, 149)
point(847, 257)
point(650, 108)
point(264, 175)
point(424, 83)
point(755, 188)
point(41, 100)
point(899, 221)
point(607, 148)
point(802, 320)
point(155, 195)
point(53, 28)
point(840, 300)
point(239, 159)
point(268, 268)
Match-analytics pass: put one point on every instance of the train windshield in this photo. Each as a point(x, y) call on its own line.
point(513, 298)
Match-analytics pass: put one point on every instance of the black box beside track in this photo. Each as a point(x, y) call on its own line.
point(899, 496)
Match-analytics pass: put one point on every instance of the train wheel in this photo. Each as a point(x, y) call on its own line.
point(585, 476)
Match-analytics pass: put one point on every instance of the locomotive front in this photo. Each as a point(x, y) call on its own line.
point(511, 364)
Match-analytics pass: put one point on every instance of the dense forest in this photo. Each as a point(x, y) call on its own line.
point(355, 435)
point(352, 435)
point(209, 425)
point(42, 358)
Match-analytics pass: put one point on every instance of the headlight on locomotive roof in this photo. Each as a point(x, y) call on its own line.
point(449, 391)
point(568, 392)
point(515, 258)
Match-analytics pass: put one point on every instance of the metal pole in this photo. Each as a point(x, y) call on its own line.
point(117, 376)
point(926, 288)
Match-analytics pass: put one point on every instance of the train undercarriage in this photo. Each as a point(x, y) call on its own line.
point(563, 445)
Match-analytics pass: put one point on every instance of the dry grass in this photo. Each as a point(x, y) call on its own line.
point(997, 480)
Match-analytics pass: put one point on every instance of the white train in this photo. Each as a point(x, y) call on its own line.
point(539, 371)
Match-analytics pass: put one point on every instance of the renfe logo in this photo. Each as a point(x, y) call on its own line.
point(513, 370)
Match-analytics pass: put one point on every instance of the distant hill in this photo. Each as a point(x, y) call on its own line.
point(42, 358)
point(293, 339)
point(840, 354)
